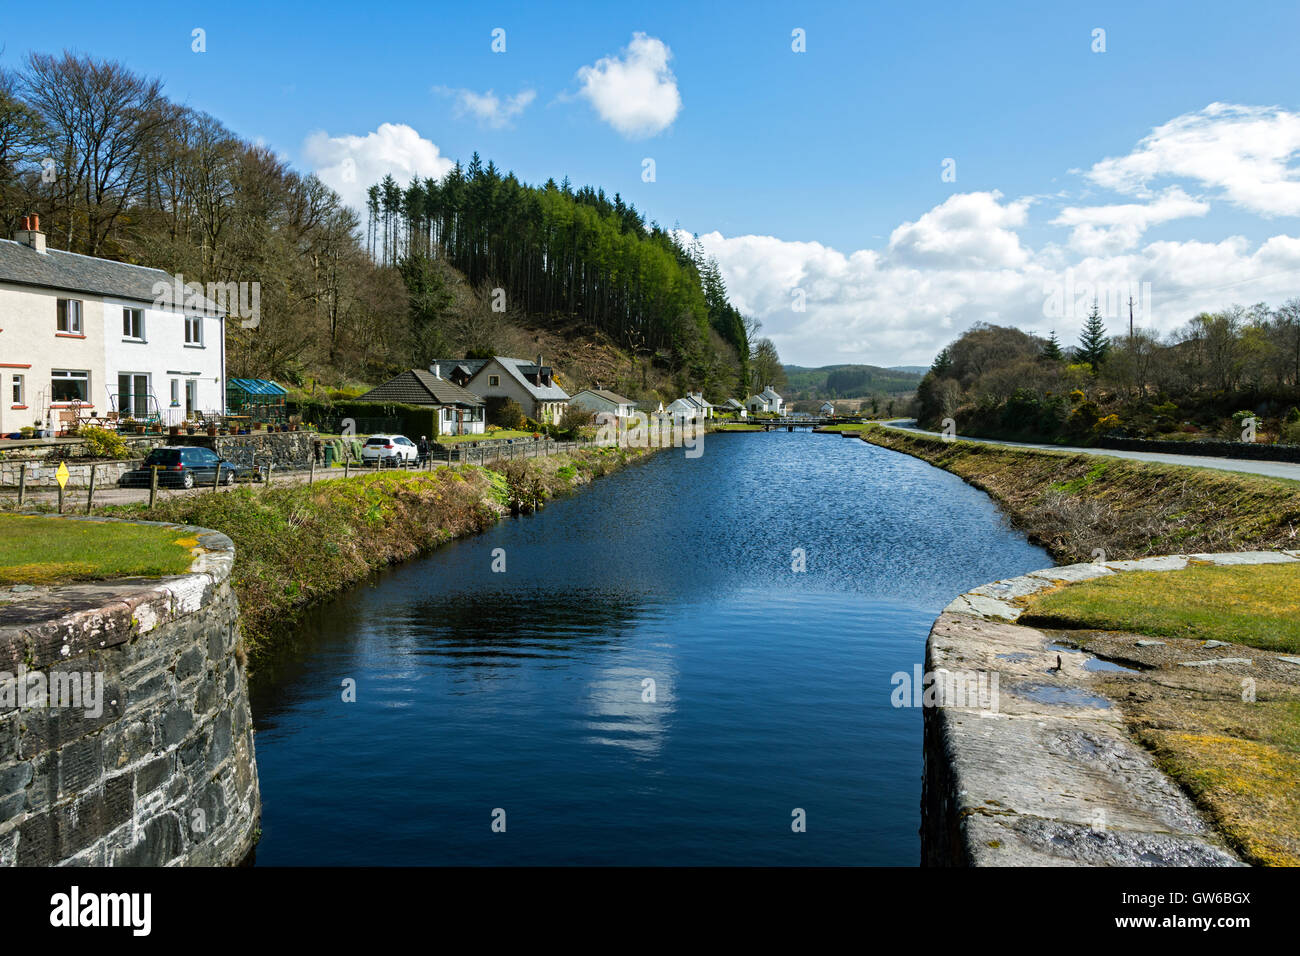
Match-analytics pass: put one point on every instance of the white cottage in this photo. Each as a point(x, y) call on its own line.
point(602, 400)
point(81, 336)
point(766, 401)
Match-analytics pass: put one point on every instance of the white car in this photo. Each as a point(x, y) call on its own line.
point(391, 450)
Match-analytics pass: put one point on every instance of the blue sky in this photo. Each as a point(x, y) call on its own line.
point(816, 171)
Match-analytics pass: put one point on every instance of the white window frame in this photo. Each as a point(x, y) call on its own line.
point(71, 322)
point(195, 323)
point(129, 314)
point(71, 375)
point(19, 391)
point(494, 381)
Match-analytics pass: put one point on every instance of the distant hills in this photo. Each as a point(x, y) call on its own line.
point(850, 381)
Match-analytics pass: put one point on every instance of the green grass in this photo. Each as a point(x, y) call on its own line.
point(1256, 605)
point(36, 550)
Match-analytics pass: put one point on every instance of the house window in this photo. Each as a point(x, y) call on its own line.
point(133, 394)
point(133, 324)
point(191, 397)
point(20, 390)
point(68, 385)
point(176, 392)
point(193, 330)
point(69, 321)
point(494, 381)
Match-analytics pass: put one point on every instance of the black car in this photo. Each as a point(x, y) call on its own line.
point(183, 468)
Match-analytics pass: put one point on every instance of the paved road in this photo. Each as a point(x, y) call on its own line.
point(1272, 469)
point(75, 498)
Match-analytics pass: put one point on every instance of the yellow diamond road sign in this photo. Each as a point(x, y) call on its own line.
point(62, 474)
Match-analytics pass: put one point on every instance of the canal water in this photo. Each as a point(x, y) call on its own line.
point(649, 681)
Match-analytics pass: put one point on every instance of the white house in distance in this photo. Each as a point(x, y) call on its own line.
point(531, 384)
point(81, 336)
point(766, 401)
point(733, 407)
point(692, 407)
point(597, 400)
point(827, 410)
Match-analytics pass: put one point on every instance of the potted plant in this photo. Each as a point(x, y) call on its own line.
point(190, 429)
point(212, 429)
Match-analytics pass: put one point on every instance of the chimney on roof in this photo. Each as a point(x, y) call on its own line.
point(436, 369)
point(29, 233)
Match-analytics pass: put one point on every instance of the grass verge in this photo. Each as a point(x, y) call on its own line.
point(37, 550)
point(1077, 504)
point(1256, 605)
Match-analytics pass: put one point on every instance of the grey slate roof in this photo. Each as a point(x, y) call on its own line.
point(67, 271)
point(418, 387)
point(521, 370)
point(609, 396)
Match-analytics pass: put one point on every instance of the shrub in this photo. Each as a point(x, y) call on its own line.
point(102, 443)
point(504, 412)
point(1291, 433)
point(1109, 423)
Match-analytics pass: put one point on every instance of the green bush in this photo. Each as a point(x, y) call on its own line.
point(1290, 434)
point(504, 412)
point(102, 443)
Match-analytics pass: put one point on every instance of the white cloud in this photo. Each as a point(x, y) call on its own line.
point(352, 164)
point(488, 108)
point(891, 309)
point(1118, 227)
point(637, 93)
point(966, 260)
point(1243, 152)
point(966, 229)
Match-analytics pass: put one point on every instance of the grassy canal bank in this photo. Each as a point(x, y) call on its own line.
point(296, 545)
point(1075, 505)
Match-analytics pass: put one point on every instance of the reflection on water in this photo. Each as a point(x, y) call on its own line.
point(529, 690)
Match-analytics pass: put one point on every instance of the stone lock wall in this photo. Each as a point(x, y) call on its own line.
point(166, 774)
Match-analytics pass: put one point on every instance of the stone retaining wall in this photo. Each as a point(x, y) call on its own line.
point(43, 474)
point(1047, 774)
point(1254, 451)
point(281, 449)
point(165, 774)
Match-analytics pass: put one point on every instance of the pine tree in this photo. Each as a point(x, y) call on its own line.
point(1093, 341)
point(1052, 349)
point(942, 363)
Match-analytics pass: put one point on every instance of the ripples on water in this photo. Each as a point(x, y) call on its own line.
point(524, 690)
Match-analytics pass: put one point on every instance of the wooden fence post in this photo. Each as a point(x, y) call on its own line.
point(90, 493)
point(22, 483)
point(311, 477)
point(269, 467)
point(153, 485)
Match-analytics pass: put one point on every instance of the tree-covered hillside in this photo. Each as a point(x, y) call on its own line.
point(554, 257)
point(848, 381)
